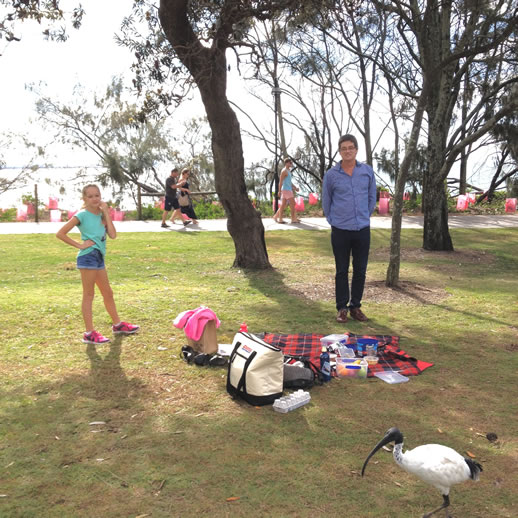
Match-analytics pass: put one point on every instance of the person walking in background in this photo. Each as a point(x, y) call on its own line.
point(171, 201)
point(94, 223)
point(348, 200)
point(286, 187)
point(184, 197)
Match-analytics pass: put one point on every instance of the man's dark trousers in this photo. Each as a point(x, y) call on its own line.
point(346, 243)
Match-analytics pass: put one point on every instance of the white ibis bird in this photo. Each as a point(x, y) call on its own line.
point(435, 464)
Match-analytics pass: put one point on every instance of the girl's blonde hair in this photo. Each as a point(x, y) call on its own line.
point(83, 194)
point(83, 191)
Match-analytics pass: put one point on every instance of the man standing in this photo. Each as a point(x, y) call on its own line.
point(171, 201)
point(348, 200)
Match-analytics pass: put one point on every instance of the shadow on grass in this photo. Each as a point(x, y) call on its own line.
point(100, 443)
point(181, 458)
point(106, 377)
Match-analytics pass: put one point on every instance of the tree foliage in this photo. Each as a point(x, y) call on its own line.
point(194, 36)
point(18, 177)
point(129, 151)
point(436, 45)
point(49, 14)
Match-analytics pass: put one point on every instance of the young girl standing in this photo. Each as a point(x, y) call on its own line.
point(94, 223)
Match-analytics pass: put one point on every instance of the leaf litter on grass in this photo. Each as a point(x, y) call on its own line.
point(168, 421)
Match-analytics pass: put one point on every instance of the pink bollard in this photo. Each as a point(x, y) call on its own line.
point(71, 213)
point(118, 215)
point(384, 194)
point(462, 202)
point(299, 204)
point(471, 198)
point(30, 209)
point(53, 203)
point(406, 196)
point(55, 215)
point(313, 198)
point(510, 205)
point(384, 206)
point(21, 214)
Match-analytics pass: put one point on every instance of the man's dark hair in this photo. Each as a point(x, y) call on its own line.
point(174, 170)
point(348, 138)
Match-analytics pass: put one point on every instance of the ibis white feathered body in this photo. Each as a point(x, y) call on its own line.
point(435, 464)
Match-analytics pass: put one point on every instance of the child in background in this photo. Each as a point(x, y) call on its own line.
point(94, 223)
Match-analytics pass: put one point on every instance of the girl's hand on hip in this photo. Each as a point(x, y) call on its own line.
point(87, 243)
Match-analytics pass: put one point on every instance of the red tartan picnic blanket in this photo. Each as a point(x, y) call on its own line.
point(391, 357)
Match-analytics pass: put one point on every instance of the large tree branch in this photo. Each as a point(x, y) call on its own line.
point(510, 108)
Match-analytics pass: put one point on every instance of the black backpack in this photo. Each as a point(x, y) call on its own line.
point(300, 373)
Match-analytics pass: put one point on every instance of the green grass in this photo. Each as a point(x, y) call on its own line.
point(175, 444)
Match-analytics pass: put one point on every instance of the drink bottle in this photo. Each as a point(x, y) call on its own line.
point(325, 365)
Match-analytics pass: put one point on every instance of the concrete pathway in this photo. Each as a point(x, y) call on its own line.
point(218, 225)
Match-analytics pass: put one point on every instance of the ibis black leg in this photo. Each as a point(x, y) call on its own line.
point(446, 503)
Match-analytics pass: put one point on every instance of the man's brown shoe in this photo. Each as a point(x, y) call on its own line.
point(357, 314)
point(342, 316)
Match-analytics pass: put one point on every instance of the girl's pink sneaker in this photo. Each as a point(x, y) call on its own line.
point(93, 337)
point(124, 328)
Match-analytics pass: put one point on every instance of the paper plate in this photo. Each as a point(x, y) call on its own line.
point(391, 377)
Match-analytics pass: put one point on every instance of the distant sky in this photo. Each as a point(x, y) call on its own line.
point(90, 56)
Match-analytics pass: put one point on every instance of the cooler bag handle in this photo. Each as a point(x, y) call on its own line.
point(242, 381)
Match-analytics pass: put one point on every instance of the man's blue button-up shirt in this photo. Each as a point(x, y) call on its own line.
point(349, 201)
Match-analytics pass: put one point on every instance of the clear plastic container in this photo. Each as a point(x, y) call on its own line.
point(371, 349)
point(346, 352)
point(286, 404)
point(351, 368)
point(362, 343)
point(371, 360)
point(331, 339)
point(391, 377)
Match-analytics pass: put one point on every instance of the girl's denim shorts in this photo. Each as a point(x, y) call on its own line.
point(93, 260)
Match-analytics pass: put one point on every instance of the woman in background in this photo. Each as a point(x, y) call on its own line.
point(287, 196)
point(184, 192)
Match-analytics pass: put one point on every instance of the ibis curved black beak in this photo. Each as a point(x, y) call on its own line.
point(393, 434)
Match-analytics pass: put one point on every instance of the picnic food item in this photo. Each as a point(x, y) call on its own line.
point(371, 360)
point(347, 367)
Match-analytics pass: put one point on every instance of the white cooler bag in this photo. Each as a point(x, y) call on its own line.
point(255, 370)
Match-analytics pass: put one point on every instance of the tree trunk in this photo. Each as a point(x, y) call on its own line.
point(439, 108)
point(392, 278)
point(208, 67)
point(436, 234)
point(244, 222)
point(463, 172)
point(463, 178)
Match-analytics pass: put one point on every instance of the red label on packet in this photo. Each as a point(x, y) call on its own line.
point(246, 348)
